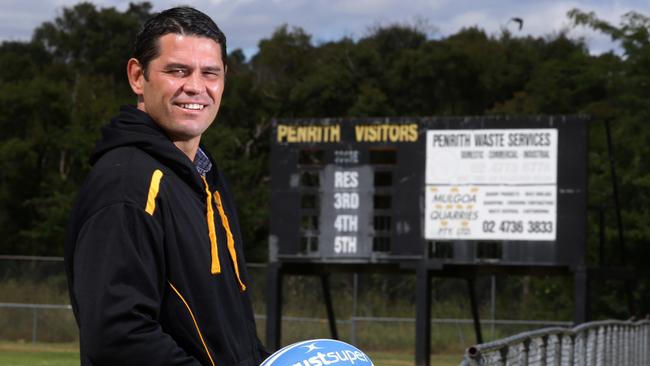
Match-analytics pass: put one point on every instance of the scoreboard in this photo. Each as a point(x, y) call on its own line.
point(463, 190)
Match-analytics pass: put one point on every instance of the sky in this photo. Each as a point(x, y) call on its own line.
point(246, 22)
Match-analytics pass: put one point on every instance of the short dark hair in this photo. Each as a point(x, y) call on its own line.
point(180, 20)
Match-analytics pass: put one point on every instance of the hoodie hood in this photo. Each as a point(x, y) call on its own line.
point(133, 127)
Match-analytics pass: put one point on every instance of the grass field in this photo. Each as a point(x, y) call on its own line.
point(40, 354)
point(43, 354)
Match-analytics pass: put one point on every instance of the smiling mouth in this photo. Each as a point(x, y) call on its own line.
point(192, 106)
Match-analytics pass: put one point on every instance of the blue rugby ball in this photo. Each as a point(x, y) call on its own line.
point(318, 352)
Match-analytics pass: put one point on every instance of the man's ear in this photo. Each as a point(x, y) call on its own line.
point(135, 72)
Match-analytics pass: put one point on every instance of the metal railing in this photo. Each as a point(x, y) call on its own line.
point(599, 343)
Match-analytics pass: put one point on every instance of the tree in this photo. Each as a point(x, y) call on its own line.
point(56, 91)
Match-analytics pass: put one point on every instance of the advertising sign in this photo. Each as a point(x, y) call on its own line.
point(491, 184)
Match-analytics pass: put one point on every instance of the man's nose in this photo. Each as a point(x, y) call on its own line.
point(193, 84)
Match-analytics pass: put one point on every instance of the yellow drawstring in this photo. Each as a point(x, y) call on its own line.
point(231, 240)
point(215, 268)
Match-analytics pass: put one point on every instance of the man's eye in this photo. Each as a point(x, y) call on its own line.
point(177, 72)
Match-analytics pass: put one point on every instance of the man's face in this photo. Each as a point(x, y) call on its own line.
point(184, 86)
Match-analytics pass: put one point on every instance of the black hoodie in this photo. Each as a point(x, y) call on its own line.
point(154, 257)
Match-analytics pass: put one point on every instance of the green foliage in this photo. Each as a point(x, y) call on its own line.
point(58, 89)
point(626, 103)
point(55, 93)
point(91, 40)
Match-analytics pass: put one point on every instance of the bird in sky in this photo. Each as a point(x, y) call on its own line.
point(518, 21)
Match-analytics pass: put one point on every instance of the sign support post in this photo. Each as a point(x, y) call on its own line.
point(471, 286)
point(422, 316)
point(325, 282)
point(273, 305)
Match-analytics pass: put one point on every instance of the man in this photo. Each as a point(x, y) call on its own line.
point(154, 254)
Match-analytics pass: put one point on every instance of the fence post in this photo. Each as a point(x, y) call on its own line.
point(600, 346)
point(626, 345)
point(643, 344)
point(549, 351)
point(34, 324)
point(637, 343)
point(537, 351)
point(355, 295)
point(635, 348)
point(592, 347)
point(570, 356)
point(646, 343)
point(553, 350)
point(616, 346)
point(567, 350)
point(580, 350)
point(609, 346)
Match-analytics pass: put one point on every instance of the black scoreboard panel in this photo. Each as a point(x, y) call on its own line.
point(378, 190)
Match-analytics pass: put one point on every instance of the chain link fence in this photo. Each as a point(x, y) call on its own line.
point(37, 323)
point(599, 343)
point(374, 311)
point(54, 323)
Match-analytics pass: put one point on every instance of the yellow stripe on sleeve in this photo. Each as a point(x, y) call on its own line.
point(153, 191)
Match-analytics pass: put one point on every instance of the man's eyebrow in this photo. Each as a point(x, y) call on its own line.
point(175, 65)
point(212, 68)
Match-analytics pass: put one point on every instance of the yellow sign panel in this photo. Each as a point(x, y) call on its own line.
point(362, 133)
point(386, 133)
point(303, 134)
